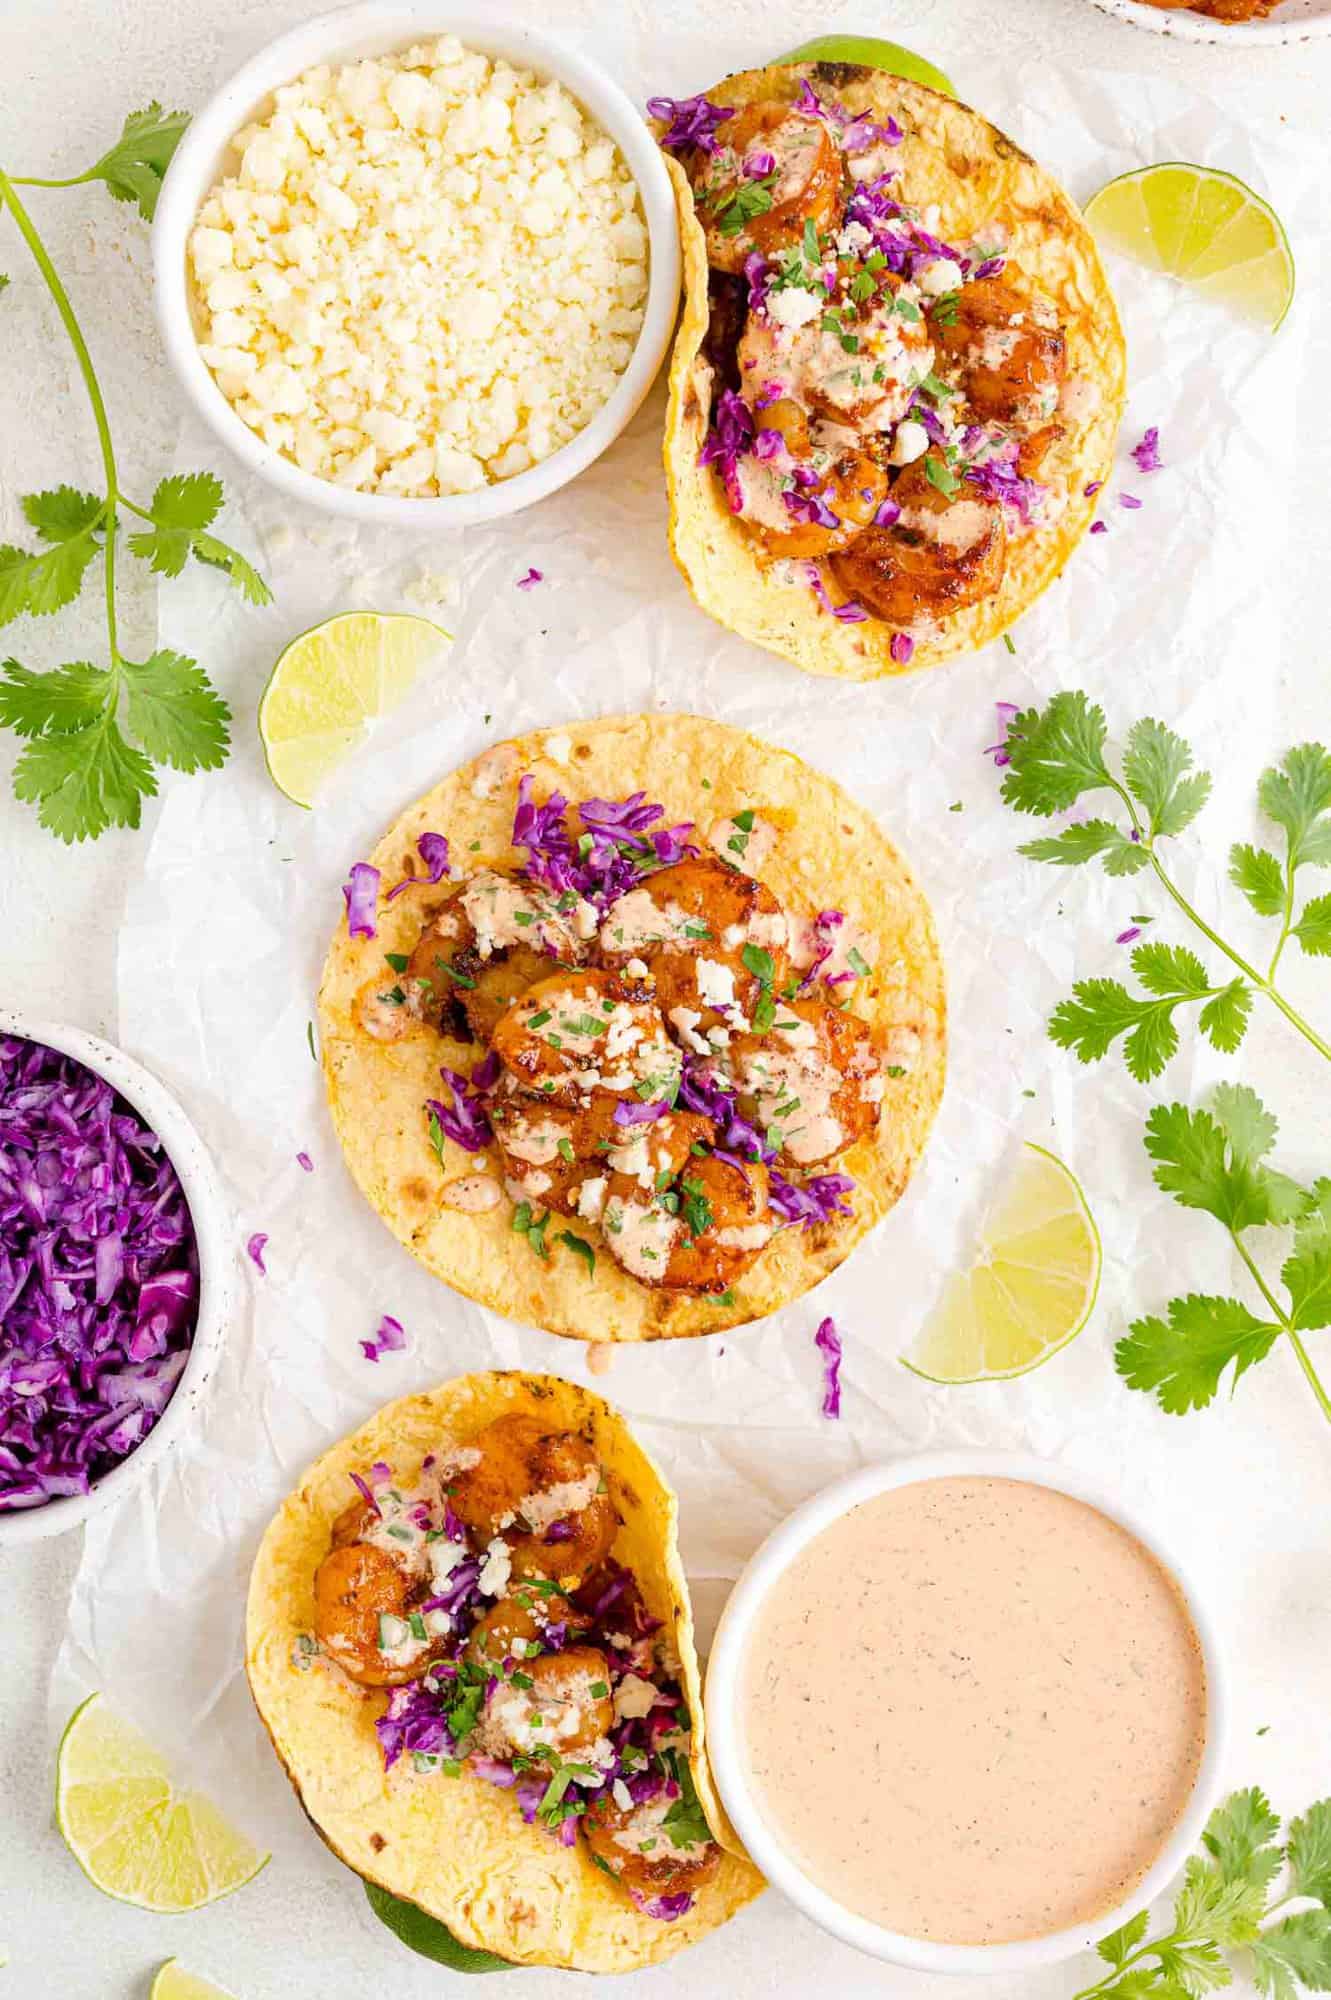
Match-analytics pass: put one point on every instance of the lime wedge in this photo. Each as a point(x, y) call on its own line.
point(174, 1983)
point(330, 685)
point(1031, 1288)
point(873, 54)
point(132, 1834)
point(1204, 227)
point(426, 1935)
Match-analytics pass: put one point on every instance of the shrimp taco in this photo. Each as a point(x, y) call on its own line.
point(632, 1067)
point(899, 372)
point(469, 1638)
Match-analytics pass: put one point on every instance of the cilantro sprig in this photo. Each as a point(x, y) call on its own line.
point(1055, 756)
point(94, 732)
point(1230, 1915)
point(1217, 1161)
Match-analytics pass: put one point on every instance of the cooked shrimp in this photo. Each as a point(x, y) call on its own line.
point(515, 1627)
point(363, 1602)
point(944, 552)
point(566, 1709)
point(700, 1235)
point(816, 1078)
point(857, 364)
point(584, 1032)
point(542, 1492)
point(845, 487)
point(638, 1847)
point(745, 204)
point(486, 945)
point(561, 1158)
point(1009, 350)
point(712, 938)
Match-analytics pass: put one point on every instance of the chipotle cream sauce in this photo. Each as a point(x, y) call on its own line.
point(973, 1710)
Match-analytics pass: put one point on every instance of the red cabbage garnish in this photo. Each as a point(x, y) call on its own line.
point(560, 1531)
point(758, 164)
point(531, 579)
point(850, 613)
point(389, 1338)
point(901, 646)
point(828, 1342)
point(1129, 500)
point(701, 1089)
point(1146, 455)
point(1007, 715)
point(254, 1250)
point(1092, 487)
point(664, 1908)
point(305, 1163)
point(465, 1121)
point(414, 1720)
point(1126, 937)
point(815, 1200)
point(888, 514)
point(811, 506)
point(629, 1111)
point(433, 850)
point(729, 439)
point(98, 1276)
point(360, 893)
point(690, 121)
point(998, 480)
point(1099, 527)
point(615, 848)
point(362, 1486)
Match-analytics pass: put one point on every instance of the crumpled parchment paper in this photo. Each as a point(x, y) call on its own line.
point(1176, 611)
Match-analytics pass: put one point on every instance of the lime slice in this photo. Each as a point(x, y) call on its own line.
point(874, 54)
point(132, 1834)
point(1028, 1293)
point(329, 686)
point(426, 1935)
point(174, 1983)
point(1204, 227)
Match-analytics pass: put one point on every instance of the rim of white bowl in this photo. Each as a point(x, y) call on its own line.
point(1185, 26)
point(210, 1216)
point(725, 1735)
point(374, 27)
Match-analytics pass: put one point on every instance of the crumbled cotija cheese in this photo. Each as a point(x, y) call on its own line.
point(428, 271)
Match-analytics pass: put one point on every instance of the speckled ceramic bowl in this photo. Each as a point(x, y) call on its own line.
point(1293, 21)
point(213, 1232)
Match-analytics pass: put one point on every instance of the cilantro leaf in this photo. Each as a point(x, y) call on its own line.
point(134, 167)
point(62, 512)
point(1055, 755)
point(46, 581)
point(187, 500)
point(4, 281)
point(1306, 1272)
point(1224, 1019)
point(1309, 1853)
point(1122, 1942)
point(53, 703)
point(183, 507)
point(580, 1248)
point(1182, 1361)
point(219, 555)
point(176, 713)
point(1220, 1907)
point(1217, 1162)
point(1296, 794)
point(84, 780)
point(1100, 1010)
point(1154, 766)
point(685, 1823)
point(1258, 873)
point(1295, 1952)
point(1083, 841)
point(1313, 929)
point(1170, 970)
point(1239, 1834)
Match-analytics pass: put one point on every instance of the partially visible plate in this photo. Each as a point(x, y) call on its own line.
point(1293, 21)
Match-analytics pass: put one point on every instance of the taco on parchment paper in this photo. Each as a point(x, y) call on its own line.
point(633, 1028)
point(898, 375)
point(469, 1638)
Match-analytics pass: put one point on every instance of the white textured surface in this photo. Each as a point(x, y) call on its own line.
point(70, 71)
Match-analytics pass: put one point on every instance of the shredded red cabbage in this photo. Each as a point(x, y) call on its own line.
point(466, 1121)
point(729, 439)
point(531, 579)
point(414, 1721)
point(1099, 527)
point(664, 1908)
point(305, 1163)
point(701, 1089)
point(901, 646)
point(690, 121)
point(616, 846)
point(389, 1338)
point(815, 1200)
point(630, 1111)
point(433, 850)
point(1147, 454)
point(98, 1276)
point(1129, 500)
point(254, 1250)
point(828, 1342)
point(1007, 715)
point(360, 892)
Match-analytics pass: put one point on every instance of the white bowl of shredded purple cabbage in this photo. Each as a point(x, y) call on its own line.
point(115, 1276)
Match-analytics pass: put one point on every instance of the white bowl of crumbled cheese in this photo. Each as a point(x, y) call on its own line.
point(415, 266)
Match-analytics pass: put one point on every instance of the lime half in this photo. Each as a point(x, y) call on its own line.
point(330, 685)
point(134, 1836)
point(1206, 228)
point(873, 54)
point(1030, 1290)
point(174, 1983)
point(426, 1935)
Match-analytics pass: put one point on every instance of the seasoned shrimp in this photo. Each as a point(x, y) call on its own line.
point(857, 365)
point(713, 939)
point(700, 1235)
point(561, 1159)
point(516, 1626)
point(806, 520)
point(816, 1078)
point(638, 1845)
point(566, 1709)
point(943, 553)
point(363, 1602)
point(775, 169)
point(1009, 351)
point(584, 1032)
point(486, 945)
point(543, 1492)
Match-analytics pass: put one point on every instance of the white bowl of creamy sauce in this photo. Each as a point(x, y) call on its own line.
point(964, 1711)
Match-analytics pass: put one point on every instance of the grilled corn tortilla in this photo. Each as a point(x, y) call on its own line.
point(458, 1847)
point(952, 158)
point(829, 852)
